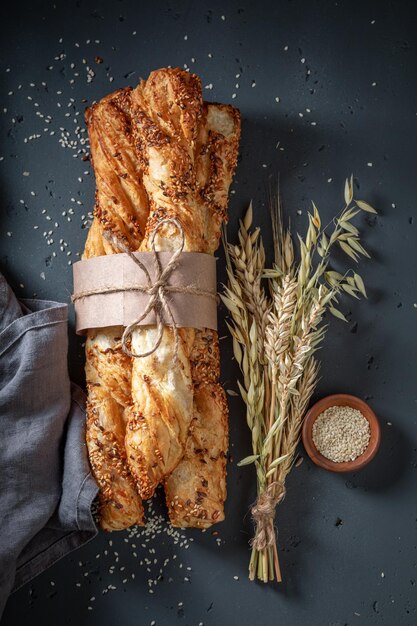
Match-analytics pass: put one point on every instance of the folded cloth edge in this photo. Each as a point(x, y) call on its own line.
point(36, 317)
point(74, 539)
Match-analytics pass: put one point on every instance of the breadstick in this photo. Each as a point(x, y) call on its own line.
point(167, 111)
point(196, 489)
point(121, 208)
point(168, 122)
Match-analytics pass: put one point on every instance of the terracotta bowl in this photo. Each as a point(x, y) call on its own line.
point(341, 399)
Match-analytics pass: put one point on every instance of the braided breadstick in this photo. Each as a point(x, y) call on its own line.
point(121, 208)
point(185, 154)
point(196, 489)
point(182, 162)
point(167, 110)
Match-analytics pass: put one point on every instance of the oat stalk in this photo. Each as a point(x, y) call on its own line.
point(277, 324)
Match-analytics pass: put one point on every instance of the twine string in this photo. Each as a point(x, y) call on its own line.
point(156, 290)
point(263, 513)
point(157, 294)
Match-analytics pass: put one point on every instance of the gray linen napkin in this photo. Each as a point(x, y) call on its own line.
point(47, 488)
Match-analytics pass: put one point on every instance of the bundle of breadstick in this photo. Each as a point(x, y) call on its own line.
point(158, 152)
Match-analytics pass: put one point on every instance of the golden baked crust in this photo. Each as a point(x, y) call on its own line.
point(196, 490)
point(162, 407)
point(159, 151)
point(199, 502)
point(168, 108)
point(108, 386)
point(187, 168)
point(121, 208)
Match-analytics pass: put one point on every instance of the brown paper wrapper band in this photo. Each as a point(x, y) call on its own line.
point(120, 303)
point(175, 289)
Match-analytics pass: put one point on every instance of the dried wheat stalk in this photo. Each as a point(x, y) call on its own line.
point(277, 325)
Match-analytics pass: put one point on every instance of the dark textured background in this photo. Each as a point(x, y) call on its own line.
point(347, 543)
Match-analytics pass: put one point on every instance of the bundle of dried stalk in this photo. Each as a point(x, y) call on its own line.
point(159, 152)
point(276, 329)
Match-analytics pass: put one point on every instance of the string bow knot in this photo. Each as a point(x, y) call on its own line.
point(157, 290)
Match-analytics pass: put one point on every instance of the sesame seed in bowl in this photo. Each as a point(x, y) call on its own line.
point(341, 433)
